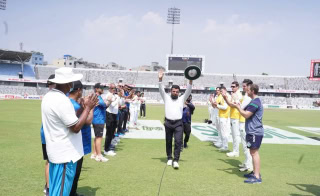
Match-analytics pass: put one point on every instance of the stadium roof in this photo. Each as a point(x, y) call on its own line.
point(19, 56)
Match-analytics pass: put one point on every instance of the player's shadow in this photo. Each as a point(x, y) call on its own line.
point(310, 188)
point(234, 170)
point(87, 190)
point(233, 162)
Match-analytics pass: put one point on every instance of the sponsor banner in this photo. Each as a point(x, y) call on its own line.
point(147, 129)
point(9, 96)
point(315, 130)
point(206, 132)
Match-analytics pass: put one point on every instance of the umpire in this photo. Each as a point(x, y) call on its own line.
point(173, 118)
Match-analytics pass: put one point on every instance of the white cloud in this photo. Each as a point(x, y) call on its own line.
point(233, 27)
point(115, 26)
point(153, 18)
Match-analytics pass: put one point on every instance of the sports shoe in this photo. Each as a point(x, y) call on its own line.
point(175, 165)
point(110, 153)
point(101, 158)
point(169, 163)
point(93, 156)
point(253, 180)
point(249, 175)
point(217, 144)
point(242, 165)
point(245, 168)
point(45, 188)
point(222, 149)
point(232, 154)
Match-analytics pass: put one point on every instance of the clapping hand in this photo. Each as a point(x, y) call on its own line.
point(91, 101)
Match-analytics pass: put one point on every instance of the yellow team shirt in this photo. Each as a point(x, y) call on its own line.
point(235, 98)
point(242, 119)
point(223, 113)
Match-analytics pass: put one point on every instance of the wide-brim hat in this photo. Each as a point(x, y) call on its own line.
point(65, 75)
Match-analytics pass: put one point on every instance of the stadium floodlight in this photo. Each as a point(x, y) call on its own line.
point(3, 4)
point(173, 18)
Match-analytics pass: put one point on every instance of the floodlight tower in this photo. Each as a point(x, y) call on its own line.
point(3, 4)
point(173, 18)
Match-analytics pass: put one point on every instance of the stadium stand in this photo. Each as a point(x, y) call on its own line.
point(148, 82)
point(207, 80)
point(8, 69)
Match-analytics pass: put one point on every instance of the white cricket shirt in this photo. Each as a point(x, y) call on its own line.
point(174, 107)
point(58, 115)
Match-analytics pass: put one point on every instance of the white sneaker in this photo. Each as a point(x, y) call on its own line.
point(45, 188)
point(222, 149)
point(101, 159)
point(93, 156)
point(175, 165)
point(169, 163)
point(242, 165)
point(110, 153)
point(243, 169)
point(232, 154)
point(217, 144)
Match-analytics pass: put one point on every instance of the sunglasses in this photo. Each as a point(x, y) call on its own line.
point(233, 86)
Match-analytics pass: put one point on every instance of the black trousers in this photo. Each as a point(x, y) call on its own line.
point(174, 129)
point(125, 118)
point(187, 132)
point(121, 120)
point(76, 177)
point(143, 109)
point(111, 125)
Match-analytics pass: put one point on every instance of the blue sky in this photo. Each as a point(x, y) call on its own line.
point(242, 37)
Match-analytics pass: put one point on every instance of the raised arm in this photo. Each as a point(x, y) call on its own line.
point(161, 87)
point(188, 91)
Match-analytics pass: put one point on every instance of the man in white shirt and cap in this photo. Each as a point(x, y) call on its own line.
point(62, 129)
point(173, 119)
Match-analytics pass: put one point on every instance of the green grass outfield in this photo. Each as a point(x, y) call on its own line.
point(139, 164)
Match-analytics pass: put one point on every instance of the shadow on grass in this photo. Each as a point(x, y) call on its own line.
point(85, 168)
point(87, 190)
point(232, 171)
point(310, 188)
point(234, 163)
point(164, 159)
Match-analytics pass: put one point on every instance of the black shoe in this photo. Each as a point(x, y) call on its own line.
point(185, 145)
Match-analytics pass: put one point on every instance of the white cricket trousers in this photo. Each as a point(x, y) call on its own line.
point(133, 116)
point(225, 131)
point(248, 158)
point(218, 130)
point(235, 131)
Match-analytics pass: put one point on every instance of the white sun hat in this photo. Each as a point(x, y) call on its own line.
point(65, 75)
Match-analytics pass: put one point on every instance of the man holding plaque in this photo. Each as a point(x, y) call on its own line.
point(173, 118)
